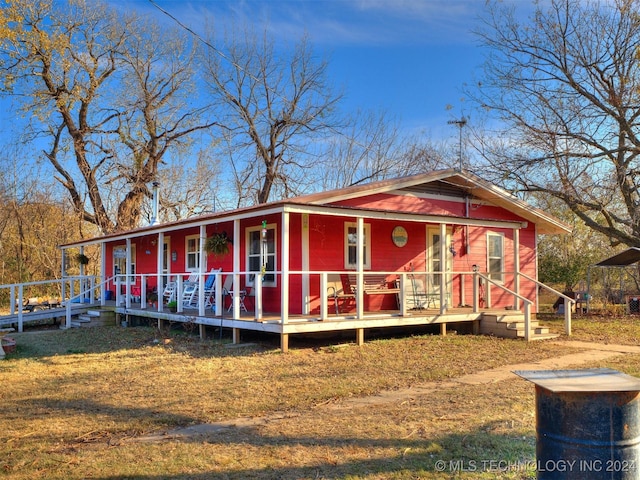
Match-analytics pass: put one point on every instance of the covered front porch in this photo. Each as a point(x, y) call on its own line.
point(405, 299)
point(396, 303)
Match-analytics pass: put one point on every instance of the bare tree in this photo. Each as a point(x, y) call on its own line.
point(33, 220)
point(274, 113)
point(566, 85)
point(366, 149)
point(107, 91)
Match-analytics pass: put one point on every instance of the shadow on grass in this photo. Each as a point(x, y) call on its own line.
point(473, 453)
point(96, 340)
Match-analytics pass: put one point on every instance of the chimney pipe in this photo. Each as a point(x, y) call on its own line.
point(156, 204)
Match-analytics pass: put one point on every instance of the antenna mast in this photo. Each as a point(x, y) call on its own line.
point(460, 123)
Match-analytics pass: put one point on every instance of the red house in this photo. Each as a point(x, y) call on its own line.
point(442, 247)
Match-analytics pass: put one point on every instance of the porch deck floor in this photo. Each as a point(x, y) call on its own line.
point(296, 323)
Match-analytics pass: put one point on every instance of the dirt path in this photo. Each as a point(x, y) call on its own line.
point(589, 352)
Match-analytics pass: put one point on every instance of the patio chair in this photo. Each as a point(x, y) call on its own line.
point(190, 294)
point(169, 292)
point(416, 295)
point(336, 290)
point(227, 291)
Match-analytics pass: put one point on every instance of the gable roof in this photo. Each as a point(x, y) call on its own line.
point(443, 182)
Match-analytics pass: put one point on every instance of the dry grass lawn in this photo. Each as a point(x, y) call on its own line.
point(104, 403)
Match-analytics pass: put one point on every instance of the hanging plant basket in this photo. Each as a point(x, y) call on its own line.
point(218, 244)
point(82, 259)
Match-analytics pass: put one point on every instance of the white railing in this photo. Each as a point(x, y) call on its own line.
point(568, 302)
point(88, 293)
point(65, 286)
point(527, 303)
point(438, 293)
point(437, 289)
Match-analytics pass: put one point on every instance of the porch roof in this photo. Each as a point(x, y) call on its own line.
point(622, 259)
point(472, 184)
point(324, 203)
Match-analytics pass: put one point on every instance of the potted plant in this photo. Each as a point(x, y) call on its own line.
point(152, 299)
point(218, 244)
point(82, 259)
point(172, 306)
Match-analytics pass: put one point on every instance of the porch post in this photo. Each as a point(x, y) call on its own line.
point(305, 264)
point(20, 312)
point(257, 284)
point(516, 267)
point(236, 269)
point(202, 269)
point(324, 301)
point(284, 290)
point(443, 269)
point(104, 273)
point(127, 288)
point(159, 270)
point(82, 287)
point(81, 264)
point(284, 342)
point(63, 283)
point(360, 268)
point(403, 298)
point(476, 290)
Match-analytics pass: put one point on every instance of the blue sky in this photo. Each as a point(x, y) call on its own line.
point(409, 58)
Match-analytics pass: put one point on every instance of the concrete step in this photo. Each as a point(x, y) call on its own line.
point(511, 325)
point(83, 318)
point(101, 318)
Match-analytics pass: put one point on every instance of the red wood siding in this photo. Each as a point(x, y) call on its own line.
point(326, 249)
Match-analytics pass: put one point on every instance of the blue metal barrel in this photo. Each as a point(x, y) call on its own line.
point(587, 424)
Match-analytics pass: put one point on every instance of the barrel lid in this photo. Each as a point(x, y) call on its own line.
point(587, 380)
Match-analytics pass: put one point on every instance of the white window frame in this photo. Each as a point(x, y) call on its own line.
point(188, 253)
point(273, 255)
point(367, 246)
point(120, 262)
point(495, 275)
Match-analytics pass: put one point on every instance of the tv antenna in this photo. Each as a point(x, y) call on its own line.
point(460, 123)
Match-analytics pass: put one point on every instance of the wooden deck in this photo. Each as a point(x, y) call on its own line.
point(295, 324)
point(308, 324)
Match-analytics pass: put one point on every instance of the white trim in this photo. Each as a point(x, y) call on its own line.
point(502, 257)
point(247, 233)
point(304, 235)
point(402, 217)
point(366, 263)
point(196, 252)
point(284, 261)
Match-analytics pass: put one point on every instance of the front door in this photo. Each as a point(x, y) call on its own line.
point(437, 266)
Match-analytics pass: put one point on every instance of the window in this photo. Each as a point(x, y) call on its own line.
point(495, 256)
point(436, 260)
point(193, 253)
point(257, 250)
point(120, 261)
point(350, 245)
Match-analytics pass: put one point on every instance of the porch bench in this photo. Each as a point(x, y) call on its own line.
point(374, 284)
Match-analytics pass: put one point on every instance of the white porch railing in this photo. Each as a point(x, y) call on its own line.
point(568, 302)
point(79, 289)
point(527, 303)
point(85, 286)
